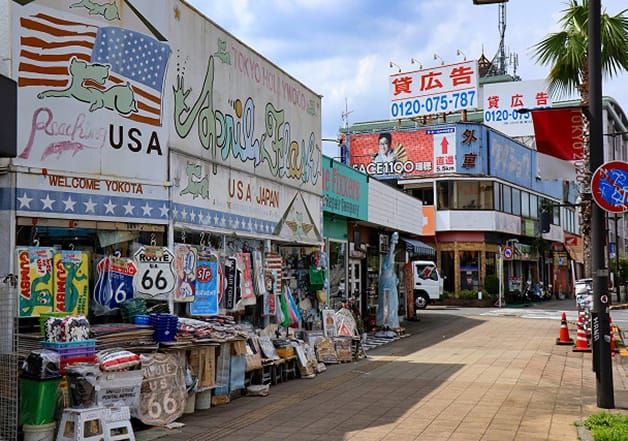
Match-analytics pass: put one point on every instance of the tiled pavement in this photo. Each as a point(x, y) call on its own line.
point(486, 378)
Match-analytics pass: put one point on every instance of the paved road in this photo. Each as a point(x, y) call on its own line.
point(462, 376)
point(551, 310)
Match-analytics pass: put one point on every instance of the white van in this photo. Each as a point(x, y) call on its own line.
point(428, 284)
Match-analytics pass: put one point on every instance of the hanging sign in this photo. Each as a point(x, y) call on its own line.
point(206, 298)
point(230, 280)
point(71, 282)
point(114, 284)
point(244, 263)
point(608, 186)
point(155, 278)
point(35, 280)
point(185, 257)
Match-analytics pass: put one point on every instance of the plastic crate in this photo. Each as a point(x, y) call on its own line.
point(70, 347)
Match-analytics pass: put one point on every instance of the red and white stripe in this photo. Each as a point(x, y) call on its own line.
point(47, 44)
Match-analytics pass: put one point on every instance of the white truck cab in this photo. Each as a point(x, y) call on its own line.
point(428, 284)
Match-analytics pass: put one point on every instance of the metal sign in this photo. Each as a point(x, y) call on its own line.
point(507, 253)
point(155, 278)
point(609, 186)
point(438, 89)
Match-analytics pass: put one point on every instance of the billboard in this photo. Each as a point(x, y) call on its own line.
point(502, 100)
point(448, 88)
point(403, 154)
point(345, 191)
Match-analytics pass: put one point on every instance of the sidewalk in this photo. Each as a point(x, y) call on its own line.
point(494, 378)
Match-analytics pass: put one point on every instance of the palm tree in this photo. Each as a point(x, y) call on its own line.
point(566, 52)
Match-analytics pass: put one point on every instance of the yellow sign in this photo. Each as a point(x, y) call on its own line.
point(35, 280)
point(71, 282)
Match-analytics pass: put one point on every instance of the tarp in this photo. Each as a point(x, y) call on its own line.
point(417, 247)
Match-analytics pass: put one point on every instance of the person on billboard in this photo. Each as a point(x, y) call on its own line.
point(385, 152)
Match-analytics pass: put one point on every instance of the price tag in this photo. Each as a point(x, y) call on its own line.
point(155, 278)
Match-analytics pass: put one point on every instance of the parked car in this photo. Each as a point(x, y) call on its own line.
point(584, 294)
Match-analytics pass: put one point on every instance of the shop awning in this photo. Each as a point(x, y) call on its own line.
point(417, 247)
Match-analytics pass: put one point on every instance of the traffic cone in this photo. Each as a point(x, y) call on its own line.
point(614, 349)
point(564, 339)
point(582, 342)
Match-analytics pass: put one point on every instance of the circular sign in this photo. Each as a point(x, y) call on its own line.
point(507, 253)
point(204, 273)
point(604, 298)
point(609, 186)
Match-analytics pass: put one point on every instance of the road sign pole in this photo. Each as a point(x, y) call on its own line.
point(601, 339)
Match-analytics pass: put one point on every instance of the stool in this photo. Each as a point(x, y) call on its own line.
point(120, 431)
point(96, 424)
point(267, 372)
point(290, 371)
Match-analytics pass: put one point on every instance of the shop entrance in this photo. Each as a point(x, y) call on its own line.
point(355, 282)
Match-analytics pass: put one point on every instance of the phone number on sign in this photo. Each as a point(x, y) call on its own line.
point(505, 115)
point(449, 102)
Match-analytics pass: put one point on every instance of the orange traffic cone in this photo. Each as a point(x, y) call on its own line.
point(614, 349)
point(564, 339)
point(582, 342)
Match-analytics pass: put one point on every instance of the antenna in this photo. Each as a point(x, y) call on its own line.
point(345, 115)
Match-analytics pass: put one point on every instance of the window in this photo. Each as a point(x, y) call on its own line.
point(427, 272)
point(516, 202)
point(497, 196)
point(486, 195)
point(506, 190)
point(556, 215)
point(467, 195)
point(534, 206)
point(525, 204)
point(444, 190)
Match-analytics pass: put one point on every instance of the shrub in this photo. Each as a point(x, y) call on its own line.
point(491, 284)
point(468, 294)
point(606, 426)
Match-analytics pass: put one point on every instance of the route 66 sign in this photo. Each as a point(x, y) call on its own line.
point(155, 277)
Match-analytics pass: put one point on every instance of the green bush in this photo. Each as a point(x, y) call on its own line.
point(491, 284)
point(606, 426)
point(468, 294)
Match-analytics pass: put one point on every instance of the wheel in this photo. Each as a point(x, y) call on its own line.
point(421, 301)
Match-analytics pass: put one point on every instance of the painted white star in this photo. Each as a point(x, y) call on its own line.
point(255, 225)
point(249, 225)
point(47, 202)
point(216, 219)
point(236, 224)
point(184, 214)
point(25, 201)
point(146, 209)
point(109, 206)
point(164, 210)
point(192, 216)
point(69, 204)
point(223, 221)
point(175, 212)
point(90, 206)
point(128, 208)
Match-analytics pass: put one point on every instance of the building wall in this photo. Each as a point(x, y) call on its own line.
point(394, 209)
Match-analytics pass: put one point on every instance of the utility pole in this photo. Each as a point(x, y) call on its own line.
point(600, 325)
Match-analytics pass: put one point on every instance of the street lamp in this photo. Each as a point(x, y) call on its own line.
point(488, 2)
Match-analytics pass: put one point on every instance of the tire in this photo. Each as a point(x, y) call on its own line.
point(421, 300)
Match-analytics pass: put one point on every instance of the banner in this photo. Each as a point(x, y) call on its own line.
point(206, 298)
point(559, 141)
point(35, 280)
point(185, 257)
point(71, 282)
point(231, 270)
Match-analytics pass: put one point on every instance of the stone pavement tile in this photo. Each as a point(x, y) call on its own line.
point(498, 435)
point(399, 437)
point(464, 436)
point(526, 436)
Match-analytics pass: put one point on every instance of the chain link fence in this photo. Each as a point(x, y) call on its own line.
point(8, 360)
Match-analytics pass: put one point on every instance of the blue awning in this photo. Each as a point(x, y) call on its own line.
point(415, 246)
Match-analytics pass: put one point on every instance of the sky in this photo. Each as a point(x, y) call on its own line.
point(341, 49)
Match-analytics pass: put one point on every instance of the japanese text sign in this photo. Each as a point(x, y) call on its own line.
point(438, 89)
point(503, 100)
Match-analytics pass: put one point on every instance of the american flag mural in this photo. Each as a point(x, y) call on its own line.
point(49, 44)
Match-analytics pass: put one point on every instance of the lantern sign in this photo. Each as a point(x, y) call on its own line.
point(155, 278)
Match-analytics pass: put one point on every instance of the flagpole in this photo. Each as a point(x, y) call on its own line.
point(600, 325)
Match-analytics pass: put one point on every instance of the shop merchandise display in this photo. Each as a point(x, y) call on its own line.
point(158, 365)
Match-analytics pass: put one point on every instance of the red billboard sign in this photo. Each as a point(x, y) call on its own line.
point(403, 154)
